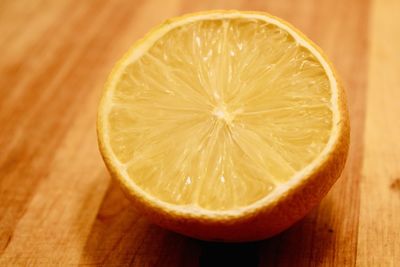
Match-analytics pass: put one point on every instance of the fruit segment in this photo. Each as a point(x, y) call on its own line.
point(218, 113)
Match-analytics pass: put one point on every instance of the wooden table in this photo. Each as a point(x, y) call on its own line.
point(58, 206)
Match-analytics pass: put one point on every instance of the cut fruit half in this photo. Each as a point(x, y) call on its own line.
point(224, 125)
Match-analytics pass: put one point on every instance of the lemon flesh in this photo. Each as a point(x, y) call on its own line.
point(217, 113)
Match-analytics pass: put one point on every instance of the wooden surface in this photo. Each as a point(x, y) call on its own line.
point(58, 206)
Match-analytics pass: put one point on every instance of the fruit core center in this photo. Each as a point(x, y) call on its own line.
point(221, 113)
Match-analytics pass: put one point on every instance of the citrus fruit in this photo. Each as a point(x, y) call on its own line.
point(224, 125)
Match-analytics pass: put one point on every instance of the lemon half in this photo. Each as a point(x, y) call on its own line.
point(224, 125)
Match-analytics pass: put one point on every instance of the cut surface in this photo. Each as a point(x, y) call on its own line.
point(218, 113)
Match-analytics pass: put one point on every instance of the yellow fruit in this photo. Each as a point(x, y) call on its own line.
point(224, 125)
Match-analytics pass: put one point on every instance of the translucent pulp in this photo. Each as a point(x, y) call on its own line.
point(217, 113)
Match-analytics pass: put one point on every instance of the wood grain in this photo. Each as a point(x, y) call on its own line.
point(57, 203)
point(379, 236)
